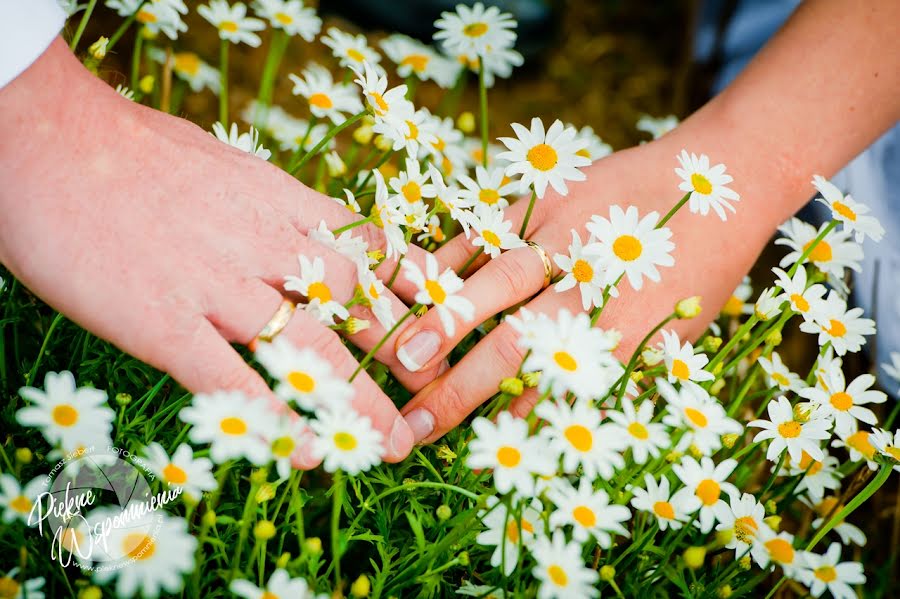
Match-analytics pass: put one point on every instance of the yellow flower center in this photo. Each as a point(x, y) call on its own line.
point(664, 509)
point(745, 528)
point(583, 271)
point(320, 100)
point(733, 307)
point(381, 107)
point(627, 248)
point(680, 369)
point(508, 457)
point(893, 451)
point(583, 152)
point(412, 192)
point(9, 588)
point(580, 437)
point(841, 401)
point(284, 18)
point(435, 291)
point(781, 379)
point(800, 302)
point(373, 292)
point(708, 491)
point(584, 516)
point(413, 130)
point(418, 62)
point(638, 431)
point(821, 253)
point(790, 429)
point(138, 546)
point(825, 573)
point(174, 474)
point(557, 575)
point(837, 328)
point(301, 381)
point(780, 551)
point(475, 29)
point(490, 237)
point(145, 17)
point(697, 417)
point(283, 447)
point(269, 595)
point(565, 360)
point(860, 442)
point(319, 291)
point(808, 465)
point(355, 55)
point(512, 532)
point(21, 504)
point(542, 157)
point(229, 26)
point(345, 441)
point(488, 196)
point(233, 426)
point(65, 415)
point(844, 210)
point(701, 184)
point(187, 63)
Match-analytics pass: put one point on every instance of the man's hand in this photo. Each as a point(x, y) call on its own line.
point(151, 233)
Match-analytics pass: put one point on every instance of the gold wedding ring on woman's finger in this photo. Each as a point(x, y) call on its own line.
point(275, 325)
point(545, 260)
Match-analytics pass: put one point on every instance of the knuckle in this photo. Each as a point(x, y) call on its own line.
point(448, 404)
point(514, 276)
point(326, 343)
point(506, 349)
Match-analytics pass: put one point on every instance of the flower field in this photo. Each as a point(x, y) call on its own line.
point(695, 466)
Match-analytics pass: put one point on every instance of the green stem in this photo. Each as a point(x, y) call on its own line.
point(37, 362)
point(117, 35)
point(470, 261)
point(528, 212)
point(337, 500)
point(223, 79)
point(244, 531)
point(812, 245)
point(637, 353)
point(352, 225)
point(775, 473)
point(136, 60)
point(277, 47)
point(674, 209)
point(328, 137)
point(482, 97)
point(369, 356)
point(82, 24)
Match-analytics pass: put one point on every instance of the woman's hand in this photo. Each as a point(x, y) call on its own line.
point(150, 233)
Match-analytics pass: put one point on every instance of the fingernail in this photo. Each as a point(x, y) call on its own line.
point(401, 437)
point(421, 422)
point(416, 352)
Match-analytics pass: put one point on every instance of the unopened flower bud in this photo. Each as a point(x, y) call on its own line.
point(259, 476)
point(97, 50)
point(694, 557)
point(637, 376)
point(354, 325)
point(688, 307)
point(771, 506)
point(375, 255)
point(773, 339)
point(652, 356)
point(724, 536)
point(716, 387)
point(313, 545)
point(24, 455)
point(512, 386)
point(724, 591)
point(673, 456)
point(363, 134)
point(744, 562)
point(464, 558)
point(711, 344)
point(209, 519)
point(443, 512)
point(774, 522)
point(531, 379)
point(466, 122)
point(146, 84)
point(264, 530)
point(265, 492)
point(361, 587)
point(383, 143)
point(728, 440)
point(409, 481)
point(283, 560)
point(607, 573)
point(336, 166)
point(695, 452)
point(123, 399)
point(90, 592)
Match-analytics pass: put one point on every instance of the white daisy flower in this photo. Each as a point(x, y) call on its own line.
point(279, 586)
point(303, 377)
point(291, 16)
point(682, 364)
point(351, 50)
point(311, 284)
point(736, 304)
point(432, 231)
point(373, 291)
point(596, 148)
point(346, 440)
point(475, 154)
point(573, 357)
point(574, 432)
point(671, 511)
point(181, 469)
point(778, 549)
point(805, 301)
point(447, 147)
point(493, 231)
point(691, 407)
point(245, 142)
point(439, 290)
point(326, 98)
point(582, 269)
point(415, 58)
point(779, 375)
point(588, 512)
point(475, 30)
point(287, 441)
point(833, 397)
point(848, 533)
point(232, 424)
point(505, 534)
point(744, 516)
point(848, 211)
point(490, 187)
point(189, 67)
point(157, 16)
point(350, 203)
point(411, 185)
point(65, 414)
point(125, 92)
point(827, 572)
point(835, 253)
point(232, 22)
point(657, 127)
point(768, 304)
point(818, 476)
point(499, 62)
point(644, 437)
point(704, 481)
point(160, 551)
point(707, 185)
point(887, 444)
point(631, 246)
point(14, 589)
point(859, 445)
point(788, 433)
point(412, 132)
point(346, 244)
point(513, 456)
point(388, 104)
point(844, 329)
point(17, 501)
point(544, 158)
point(560, 569)
point(293, 134)
point(387, 215)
